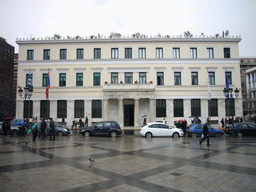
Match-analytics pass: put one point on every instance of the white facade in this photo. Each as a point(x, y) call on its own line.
point(130, 78)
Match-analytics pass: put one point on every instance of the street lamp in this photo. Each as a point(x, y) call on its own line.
point(228, 93)
point(28, 91)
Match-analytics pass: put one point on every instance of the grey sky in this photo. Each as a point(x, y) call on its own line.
point(43, 18)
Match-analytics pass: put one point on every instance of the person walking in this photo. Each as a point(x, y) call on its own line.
point(206, 134)
point(34, 130)
point(63, 121)
point(222, 122)
point(8, 128)
point(86, 121)
point(144, 122)
point(74, 124)
point(52, 130)
point(4, 128)
point(43, 128)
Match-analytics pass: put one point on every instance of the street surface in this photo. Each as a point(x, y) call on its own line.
point(127, 163)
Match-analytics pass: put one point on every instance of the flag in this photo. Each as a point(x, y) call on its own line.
point(208, 87)
point(227, 84)
point(47, 85)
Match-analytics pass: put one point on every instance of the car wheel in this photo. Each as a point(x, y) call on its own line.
point(87, 134)
point(113, 134)
point(240, 134)
point(60, 133)
point(148, 135)
point(217, 134)
point(176, 135)
point(194, 135)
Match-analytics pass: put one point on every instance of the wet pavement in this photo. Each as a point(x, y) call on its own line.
point(127, 163)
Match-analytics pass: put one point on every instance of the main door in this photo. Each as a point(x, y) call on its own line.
point(129, 115)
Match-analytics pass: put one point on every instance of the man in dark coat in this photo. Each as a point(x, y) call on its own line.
point(34, 130)
point(43, 127)
point(52, 129)
point(206, 134)
point(4, 128)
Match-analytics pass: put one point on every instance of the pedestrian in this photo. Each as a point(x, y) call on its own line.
point(164, 121)
point(34, 130)
point(80, 122)
point(4, 128)
point(144, 122)
point(206, 134)
point(86, 121)
point(52, 129)
point(63, 121)
point(184, 127)
point(8, 128)
point(74, 124)
point(222, 122)
point(43, 128)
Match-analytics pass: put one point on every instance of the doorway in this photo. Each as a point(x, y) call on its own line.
point(129, 115)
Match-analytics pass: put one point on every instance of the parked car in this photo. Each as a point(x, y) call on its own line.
point(195, 130)
point(160, 129)
point(14, 128)
point(60, 130)
point(108, 128)
point(242, 129)
point(20, 122)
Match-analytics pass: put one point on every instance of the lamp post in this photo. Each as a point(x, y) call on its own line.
point(228, 93)
point(28, 91)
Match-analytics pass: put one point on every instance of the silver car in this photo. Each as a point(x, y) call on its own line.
point(14, 128)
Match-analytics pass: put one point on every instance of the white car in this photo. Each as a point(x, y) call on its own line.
point(160, 129)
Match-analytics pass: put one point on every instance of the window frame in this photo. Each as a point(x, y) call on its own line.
point(196, 107)
point(28, 104)
point(178, 108)
point(193, 52)
point(213, 108)
point(160, 108)
point(142, 53)
point(227, 52)
point(160, 79)
point(128, 77)
point(114, 53)
point(96, 108)
point(194, 78)
point(79, 53)
point(177, 78)
point(46, 54)
point(114, 77)
point(62, 79)
point(128, 53)
point(79, 108)
point(79, 80)
point(176, 52)
point(142, 77)
point(30, 54)
point(96, 79)
point(159, 52)
point(63, 54)
point(44, 79)
point(97, 53)
point(44, 108)
point(210, 52)
point(61, 108)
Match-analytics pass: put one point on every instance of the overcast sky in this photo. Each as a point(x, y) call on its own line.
point(43, 18)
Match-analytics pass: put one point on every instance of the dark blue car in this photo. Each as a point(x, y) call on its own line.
point(197, 130)
point(104, 128)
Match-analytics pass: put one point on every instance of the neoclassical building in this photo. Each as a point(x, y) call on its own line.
point(126, 79)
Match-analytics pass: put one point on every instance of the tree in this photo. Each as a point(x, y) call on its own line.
point(226, 33)
point(187, 34)
point(138, 35)
point(115, 35)
point(77, 37)
point(217, 35)
point(56, 36)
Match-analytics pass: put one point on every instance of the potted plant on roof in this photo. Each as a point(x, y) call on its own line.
point(121, 82)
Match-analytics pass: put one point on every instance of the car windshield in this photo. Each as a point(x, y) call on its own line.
point(57, 124)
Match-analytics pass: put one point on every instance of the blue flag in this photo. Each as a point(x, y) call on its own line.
point(29, 80)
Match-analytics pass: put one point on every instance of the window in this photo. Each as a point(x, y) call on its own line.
point(229, 74)
point(142, 53)
point(46, 54)
point(97, 53)
point(176, 52)
point(230, 107)
point(227, 53)
point(159, 53)
point(114, 53)
point(177, 78)
point(160, 108)
point(80, 54)
point(62, 109)
point(29, 80)
point(213, 108)
point(62, 79)
point(44, 82)
point(193, 52)
point(160, 78)
point(178, 107)
point(63, 54)
point(114, 78)
point(79, 109)
point(211, 78)
point(79, 79)
point(194, 78)
point(96, 109)
point(210, 53)
point(195, 107)
point(44, 108)
point(30, 54)
point(128, 53)
point(128, 78)
point(96, 79)
point(142, 77)
point(28, 109)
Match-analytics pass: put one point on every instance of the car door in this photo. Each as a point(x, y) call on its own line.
point(211, 130)
point(155, 129)
point(106, 128)
point(199, 129)
point(165, 130)
point(98, 129)
point(252, 129)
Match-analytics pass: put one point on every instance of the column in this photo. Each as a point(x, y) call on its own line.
point(53, 109)
point(70, 112)
point(136, 114)
point(105, 109)
point(204, 110)
point(88, 111)
point(169, 112)
point(152, 110)
point(121, 113)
